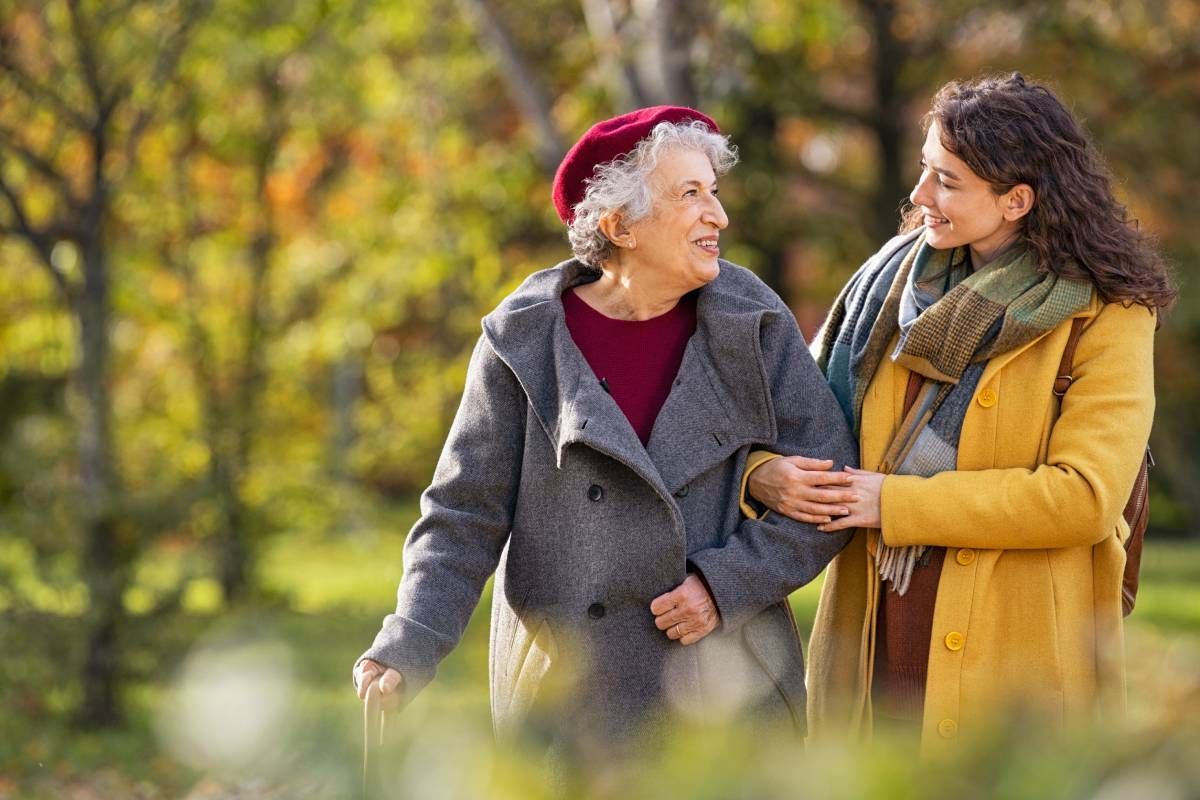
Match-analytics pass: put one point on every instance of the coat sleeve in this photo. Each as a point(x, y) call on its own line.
point(764, 560)
point(1094, 451)
point(466, 517)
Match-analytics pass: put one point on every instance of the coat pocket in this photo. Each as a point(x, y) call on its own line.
point(773, 639)
point(532, 653)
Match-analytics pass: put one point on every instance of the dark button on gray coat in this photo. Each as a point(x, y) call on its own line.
point(544, 481)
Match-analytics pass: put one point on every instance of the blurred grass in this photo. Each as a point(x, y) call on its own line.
point(328, 599)
point(1169, 595)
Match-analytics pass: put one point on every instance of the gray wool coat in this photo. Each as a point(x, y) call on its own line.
point(544, 482)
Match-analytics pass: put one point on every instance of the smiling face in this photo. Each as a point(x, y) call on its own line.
point(678, 241)
point(961, 208)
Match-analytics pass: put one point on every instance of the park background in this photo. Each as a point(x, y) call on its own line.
point(244, 250)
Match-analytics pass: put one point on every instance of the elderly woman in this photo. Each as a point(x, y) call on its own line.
point(595, 462)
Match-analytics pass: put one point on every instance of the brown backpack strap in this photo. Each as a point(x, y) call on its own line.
point(1137, 514)
point(1064, 379)
point(1137, 508)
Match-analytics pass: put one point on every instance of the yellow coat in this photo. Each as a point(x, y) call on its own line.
point(1028, 607)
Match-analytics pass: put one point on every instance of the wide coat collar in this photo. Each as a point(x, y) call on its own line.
point(719, 402)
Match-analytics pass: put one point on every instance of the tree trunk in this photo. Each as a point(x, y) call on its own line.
point(889, 118)
point(106, 557)
point(523, 84)
point(758, 222)
point(235, 552)
point(669, 46)
point(347, 389)
point(606, 34)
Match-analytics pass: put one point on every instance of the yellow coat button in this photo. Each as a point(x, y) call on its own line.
point(947, 729)
point(955, 640)
point(987, 398)
point(965, 556)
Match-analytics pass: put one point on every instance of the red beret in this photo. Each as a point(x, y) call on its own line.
point(606, 141)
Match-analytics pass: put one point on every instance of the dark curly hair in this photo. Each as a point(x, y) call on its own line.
point(1009, 132)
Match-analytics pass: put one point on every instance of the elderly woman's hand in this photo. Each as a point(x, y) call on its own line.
point(805, 489)
point(866, 511)
point(368, 670)
point(687, 613)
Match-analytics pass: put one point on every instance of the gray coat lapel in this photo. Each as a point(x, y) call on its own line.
point(529, 332)
point(719, 402)
point(591, 417)
point(710, 412)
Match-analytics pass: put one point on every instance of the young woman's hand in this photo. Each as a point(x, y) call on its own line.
point(865, 510)
point(805, 489)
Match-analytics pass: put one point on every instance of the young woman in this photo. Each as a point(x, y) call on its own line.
point(986, 568)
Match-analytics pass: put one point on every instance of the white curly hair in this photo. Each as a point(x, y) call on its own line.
point(624, 183)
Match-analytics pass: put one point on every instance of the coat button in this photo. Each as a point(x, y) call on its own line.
point(955, 640)
point(947, 729)
point(965, 556)
point(987, 398)
point(595, 492)
point(596, 610)
point(682, 491)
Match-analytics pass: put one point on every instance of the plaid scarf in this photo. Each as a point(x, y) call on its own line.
point(950, 321)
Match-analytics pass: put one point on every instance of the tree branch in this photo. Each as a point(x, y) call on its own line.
point(522, 82)
point(40, 165)
point(114, 12)
point(802, 95)
point(164, 68)
point(674, 32)
point(605, 31)
point(847, 194)
point(36, 91)
point(42, 241)
point(88, 66)
point(823, 107)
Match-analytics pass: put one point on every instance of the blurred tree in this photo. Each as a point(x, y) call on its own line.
point(523, 84)
point(455, 187)
point(270, 79)
point(85, 80)
point(268, 254)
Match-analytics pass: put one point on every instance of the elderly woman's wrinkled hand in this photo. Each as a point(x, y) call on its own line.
point(805, 489)
point(368, 670)
point(687, 613)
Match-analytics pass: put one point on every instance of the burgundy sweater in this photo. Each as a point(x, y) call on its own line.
point(635, 360)
point(904, 627)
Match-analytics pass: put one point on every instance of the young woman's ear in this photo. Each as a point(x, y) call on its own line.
point(1018, 201)
point(616, 231)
